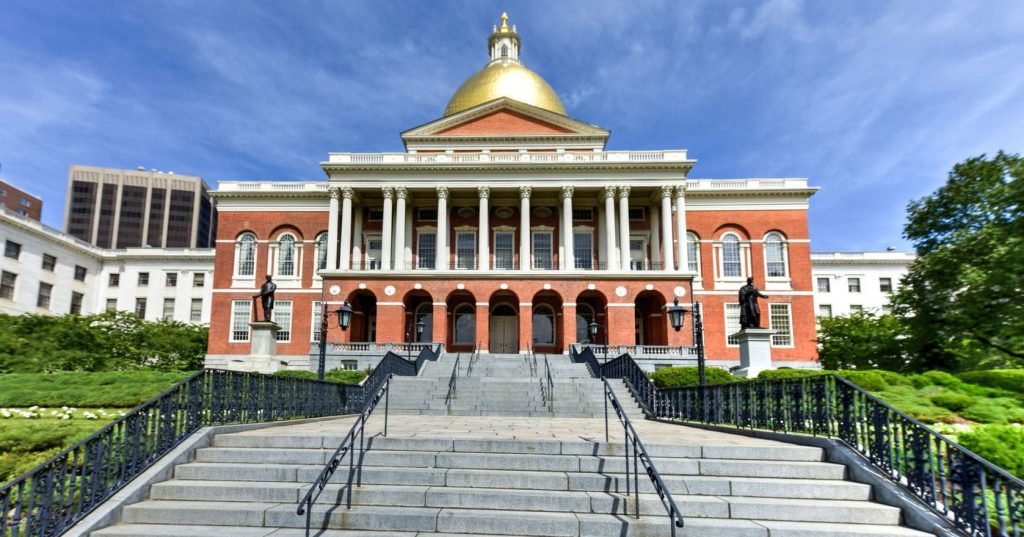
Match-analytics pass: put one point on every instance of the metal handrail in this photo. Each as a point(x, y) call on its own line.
point(549, 394)
point(632, 439)
point(347, 447)
point(60, 492)
point(453, 380)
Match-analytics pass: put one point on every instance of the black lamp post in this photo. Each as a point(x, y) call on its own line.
point(414, 336)
point(677, 315)
point(593, 327)
point(344, 314)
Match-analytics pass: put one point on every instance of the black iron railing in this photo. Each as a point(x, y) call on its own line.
point(547, 385)
point(632, 443)
point(453, 380)
point(63, 490)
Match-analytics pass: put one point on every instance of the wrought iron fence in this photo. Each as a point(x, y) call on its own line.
point(63, 490)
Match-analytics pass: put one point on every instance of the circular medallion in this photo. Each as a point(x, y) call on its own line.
point(389, 290)
point(362, 286)
point(620, 291)
point(679, 291)
point(466, 212)
point(649, 287)
point(542, 212)
point(591, 286)
point(460, 286)
point(335, 289)
point(418, 286)
point(504, 286)
point(547, 286)
point(503, 212)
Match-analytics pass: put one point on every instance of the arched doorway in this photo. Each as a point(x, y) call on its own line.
point(363, 327)
point(547, 313)
point(503, 323)
point(649, 309)
point(590, 307)
point(461, 321)
point(419, 308)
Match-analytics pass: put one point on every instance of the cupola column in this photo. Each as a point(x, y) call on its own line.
point(609, 223)
point(346, 229)
point(624, 227)
point(484, 256)
point(400, 193)
point(332, 228)
point(681, 227)
point(442, 229)
point(568, 259)
point(386, 232)
point(666, 228)
point(524, 228)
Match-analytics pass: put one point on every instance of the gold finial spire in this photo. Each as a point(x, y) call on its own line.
point(504, 22)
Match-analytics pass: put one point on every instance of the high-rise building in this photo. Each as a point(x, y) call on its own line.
point(18, 201)
point(113, 208)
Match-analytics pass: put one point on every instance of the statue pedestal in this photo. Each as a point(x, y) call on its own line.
point(263, 352)
point(755, 351)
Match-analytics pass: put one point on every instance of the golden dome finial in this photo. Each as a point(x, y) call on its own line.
point(504, 22)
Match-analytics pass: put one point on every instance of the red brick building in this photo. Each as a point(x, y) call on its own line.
point(18, 201)
point(507, 224)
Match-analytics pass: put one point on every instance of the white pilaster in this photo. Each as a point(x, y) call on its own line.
point(602, 241)
point(332, 228)
point(568, 259)
point(386, 233)
point(400, 193)
point(655, 225)
point(344, 262)
point(408, 234)
point(524, 228)
point(623, 192)
point(681, 226)
point(484, 256)
point(442, 228)
point(609, 218)
point(666, 228)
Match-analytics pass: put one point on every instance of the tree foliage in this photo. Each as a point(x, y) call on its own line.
point(962, 302)
point(104, 342)
point(862, 341)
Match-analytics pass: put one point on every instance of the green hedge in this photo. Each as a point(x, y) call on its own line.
point(1002, 445)
point(1006, 379)
point(340, 376)
point(680, 377)
point(85, 390)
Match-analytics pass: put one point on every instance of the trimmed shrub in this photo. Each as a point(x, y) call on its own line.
point(1006, 379)
point(868, 379)
point(893, 378)
point(85, 390)
point(295, 374)
point(935, 378)
point(998, 410)
point(788, 373)
point(953, 401)
point(1002, 445)
point(679, 377)
point(342, 376)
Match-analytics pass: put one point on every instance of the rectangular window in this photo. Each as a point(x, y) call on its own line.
point(375, 215)
point(885, 285)
point(168, 309)
point(504, 254)
point(283, 317)
point(636, 214)
point(853, 284)
point(637, 254)
point(856, 308)
point(240, 313)
point(80, 273)
point(542, 258)
point(426, 250)
point(428, 215)
point(12, 249)
point(143, 279)
point(373, 247)
point(43, 300)
point(465, 250)
point(583, 215)
point(114, 281)
point(49, 262)
point(172, 279)
point(825, 310)
point(7, 280)
point(111, 304)
point(140, 307)
point(76, 303)
point(583, 249)
point(350, 365)
point(199, 279)
point(779, 321)
point(195, 314)
point(824, 285)
point(314, 322)
point(25, 202)
point(732, 324)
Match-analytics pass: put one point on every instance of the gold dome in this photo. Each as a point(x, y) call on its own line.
point(504, 76)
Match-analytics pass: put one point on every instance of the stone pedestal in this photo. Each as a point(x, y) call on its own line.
point(755, 351)
point(263, 352)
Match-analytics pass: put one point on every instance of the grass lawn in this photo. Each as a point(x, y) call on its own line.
point(27, 442)
point(85, 390)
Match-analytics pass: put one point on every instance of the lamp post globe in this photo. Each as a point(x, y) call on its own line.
point(677, 315)
point(344, 315)
point(592, 328)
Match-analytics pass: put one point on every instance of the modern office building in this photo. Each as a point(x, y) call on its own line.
point(850, 282)
point(113, 208)
point(20, 202)
point(509, 226)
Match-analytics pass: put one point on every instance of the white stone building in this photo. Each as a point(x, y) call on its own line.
point(846, 282)
point(46, 271)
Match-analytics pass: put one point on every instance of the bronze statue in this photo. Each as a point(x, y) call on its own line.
point(267, 297)
point(750, 313)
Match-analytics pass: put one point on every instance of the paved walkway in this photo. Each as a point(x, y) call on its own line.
point(521, 428)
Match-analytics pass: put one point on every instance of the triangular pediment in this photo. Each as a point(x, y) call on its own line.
point(503, 118)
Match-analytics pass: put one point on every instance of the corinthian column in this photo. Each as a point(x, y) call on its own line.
point(332, 228)
point(666, 227)
point(681, 227)
point(524, 228)
point(624, 227)
point(346, 229)
point(484, 257)
point(401, 194)
point(609, 222)
point(385, 236)
point(568, 261)
point(442, 229)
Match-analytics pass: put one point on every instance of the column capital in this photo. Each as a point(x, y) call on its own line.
point(484, 191)
point(442, 192)
point(401, 192)
point(608, 193)
point(681, 190)
point(666, 191)
point(525, 191)
point(334, 192)
point(389, 192)
point(623, 191)
point(347, 192)
point(567, 192)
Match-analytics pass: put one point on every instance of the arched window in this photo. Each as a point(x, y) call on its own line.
point(245, 255)
point(775, 255)
point(504, 51)
point(464, 322)
point(732, 266)
point(584, 315)
point(321, 252)
point(543, 325)
point(286, 255)
point(693, 253)
point(425, 314)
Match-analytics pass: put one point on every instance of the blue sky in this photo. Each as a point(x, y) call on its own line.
point(874, 101)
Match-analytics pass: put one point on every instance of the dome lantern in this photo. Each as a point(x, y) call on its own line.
point(504, 42)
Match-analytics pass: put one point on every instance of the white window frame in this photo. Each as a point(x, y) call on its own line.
point(109, 302)
point(460, 233)
point(693, 251)
point(282, 316)
point(645, 247)
point(581, 211)
point(817, 284)
point(643, 214)
point(368, 262)
point(13, 284)
point(168, 301)
point(192, 314)
point(278, 259)
point(822, 310)
point(860, 284)
point(238, 256)
point(319, 250)
point(421, 218)
point(314, 322)
point(731, 310)
point(777, 334)
point(235, 310)
point(510, 231)
point(589, 232)
point(550, 250)
point(784, 245)
point(744, 251)
point(420, 233)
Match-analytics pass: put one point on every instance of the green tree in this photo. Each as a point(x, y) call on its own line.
point(862, 341)
point(963, 299)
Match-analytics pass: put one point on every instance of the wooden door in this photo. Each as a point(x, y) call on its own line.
point(504, 334)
